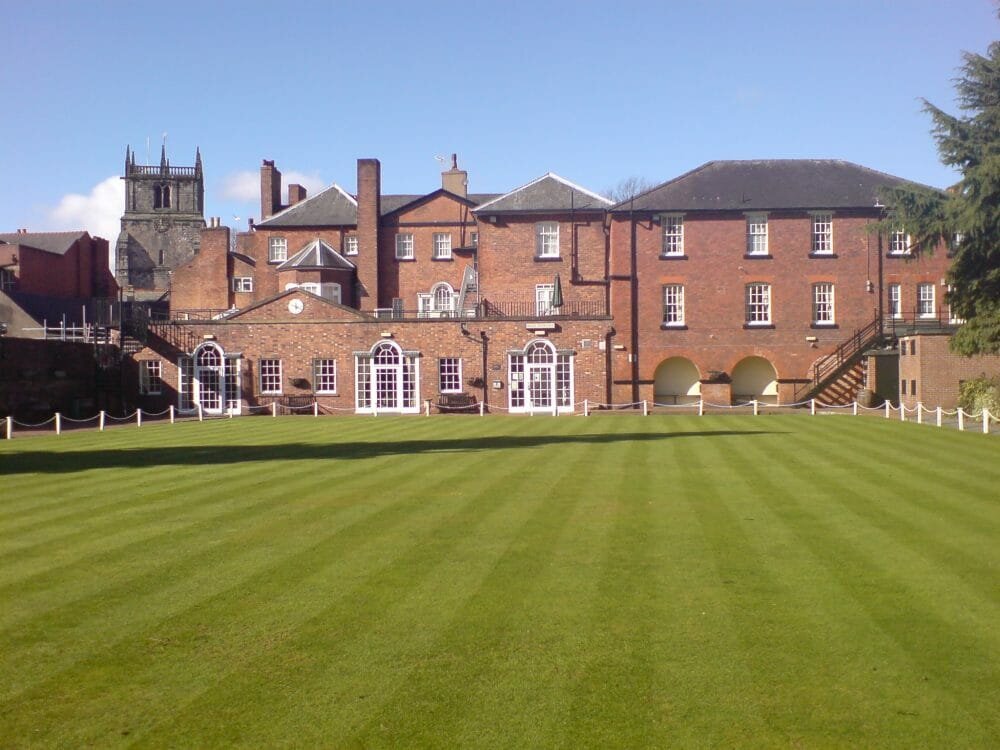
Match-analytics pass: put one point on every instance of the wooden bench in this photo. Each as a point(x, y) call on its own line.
point(457, 403)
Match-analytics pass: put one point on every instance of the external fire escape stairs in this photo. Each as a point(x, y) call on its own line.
point(468, 295)
point(837, 377)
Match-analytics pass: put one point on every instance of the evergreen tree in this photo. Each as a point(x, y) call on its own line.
point(966, 217)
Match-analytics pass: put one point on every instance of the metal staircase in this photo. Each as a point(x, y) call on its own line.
point(468, 296)
point(841, 363)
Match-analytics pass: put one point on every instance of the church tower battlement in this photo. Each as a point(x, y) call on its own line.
point(160, 229)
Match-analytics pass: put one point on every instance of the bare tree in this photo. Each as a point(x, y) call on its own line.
point(628, 187)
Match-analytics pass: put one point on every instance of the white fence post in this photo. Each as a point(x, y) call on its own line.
point(645, 408)
point(427, 407)
point(10, 427)
point(855, 409)
point(201, 413)
point(586, 408)
point(939, 416)
point(171, 410)
point(315, 408)
point(920, 413)
point(100, 421)
point(961, 419)
point(812, 406)
point(138, 417)
point(482, 408)
point(756, 407)
point(274, 408)
point(58, 423)
point(986, 421)
point(902, 412)
point(701, 407)
point(887, 407)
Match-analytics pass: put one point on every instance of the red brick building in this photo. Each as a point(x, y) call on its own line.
point(739, 280)
point(48, 275)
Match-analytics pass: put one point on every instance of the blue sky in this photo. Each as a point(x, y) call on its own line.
point(593, 91)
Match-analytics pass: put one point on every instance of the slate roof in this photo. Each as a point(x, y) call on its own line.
point(51, 242)
point(336, 207)
point(766, 184)
point(316, 254)
point(330, 207)
point(550, 192)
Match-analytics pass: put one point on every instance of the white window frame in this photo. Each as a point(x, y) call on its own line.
point(673, 235)
point(351, 244)
point(371, 373)
point(277, 250)
point(150, 377)
point(543, 299)
point(7, 280)
point(404, 246)
point(243, 283)
point(673, 305)
point(439, 302)
point(329, 290)
point(540, 362)
point(450, 374)
point(894, 295)
point(757, 243)
point(758, 304)
point(823, 304)
point(324, 375)
point(822, 233)
point(269, 376)
point(442, 246)
point(926, 300)
point(547, 239)
point(899, 243)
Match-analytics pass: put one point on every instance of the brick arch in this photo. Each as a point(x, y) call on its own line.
point(676, 380)
point(755, 377)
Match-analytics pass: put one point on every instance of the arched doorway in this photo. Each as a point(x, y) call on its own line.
point(209, 379)
point(386, 380)
point(755, 378)
point(676, 381)
point(541, 379)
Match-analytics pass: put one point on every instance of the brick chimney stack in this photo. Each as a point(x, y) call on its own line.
point(369, 213)
point(270, 189)
point(296, 193)
point(455, 180)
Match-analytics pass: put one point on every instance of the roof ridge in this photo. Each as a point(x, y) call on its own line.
point(333, 186)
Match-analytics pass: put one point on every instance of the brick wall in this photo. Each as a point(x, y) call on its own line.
point(934, 371)
point(714, 272)
point(441, 213)
point(203, 282)
point(38, 378)
point(509, 268)
point(323, 330)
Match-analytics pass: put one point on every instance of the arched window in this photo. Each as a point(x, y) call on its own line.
point(166, 196)
point(439, 303)
point(386, 379)
point(157, 196)
point(209, 379)
point(541, 378)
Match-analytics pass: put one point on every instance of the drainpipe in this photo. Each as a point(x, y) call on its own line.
point(634, 312)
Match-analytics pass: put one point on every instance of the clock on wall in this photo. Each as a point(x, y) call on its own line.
point(295, 306)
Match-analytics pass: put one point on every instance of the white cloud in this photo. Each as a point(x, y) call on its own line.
point(244, 187)
point(241, 186)
point(98, 212)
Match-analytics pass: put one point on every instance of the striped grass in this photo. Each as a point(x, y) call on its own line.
point(616, 581)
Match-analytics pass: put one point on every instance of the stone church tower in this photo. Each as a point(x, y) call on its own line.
point(164, 215)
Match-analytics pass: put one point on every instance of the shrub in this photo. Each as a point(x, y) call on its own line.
point(979, 393)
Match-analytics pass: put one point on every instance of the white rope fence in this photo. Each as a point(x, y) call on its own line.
point(982, 420)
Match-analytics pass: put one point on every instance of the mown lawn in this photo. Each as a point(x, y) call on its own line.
point(617, 581)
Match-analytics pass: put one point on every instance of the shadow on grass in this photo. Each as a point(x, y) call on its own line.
point(53, 462)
